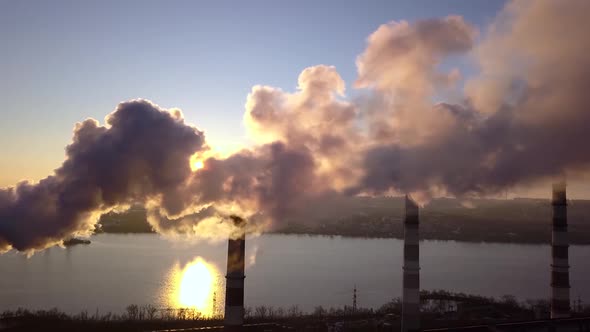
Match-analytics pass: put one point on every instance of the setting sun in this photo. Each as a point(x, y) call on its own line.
point(197, 165)
point(197, 161)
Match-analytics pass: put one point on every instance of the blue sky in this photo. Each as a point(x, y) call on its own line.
point(64, 61)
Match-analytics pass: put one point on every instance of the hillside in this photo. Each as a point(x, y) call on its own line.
point(491, 220)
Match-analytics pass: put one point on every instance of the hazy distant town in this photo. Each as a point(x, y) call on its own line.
point(519, 220)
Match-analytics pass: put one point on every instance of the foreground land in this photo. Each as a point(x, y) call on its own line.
point(438, 309)
point(489, 220)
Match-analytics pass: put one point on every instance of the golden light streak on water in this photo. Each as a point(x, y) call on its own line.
point(196, 285)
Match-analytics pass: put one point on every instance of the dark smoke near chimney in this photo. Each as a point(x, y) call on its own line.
point(525, 117)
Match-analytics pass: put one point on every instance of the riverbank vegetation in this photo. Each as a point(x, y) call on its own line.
point(438, 308)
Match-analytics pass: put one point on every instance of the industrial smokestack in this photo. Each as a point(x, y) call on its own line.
point(234, 280)
point(411, 294)
point(560, 283)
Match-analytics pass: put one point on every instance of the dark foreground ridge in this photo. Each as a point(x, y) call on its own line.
point(562, 324)
point(439, 310)
point(518, 220)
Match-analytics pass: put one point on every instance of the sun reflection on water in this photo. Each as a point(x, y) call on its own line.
point(195, 285)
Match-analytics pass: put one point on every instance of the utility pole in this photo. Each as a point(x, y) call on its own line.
point(354, 300)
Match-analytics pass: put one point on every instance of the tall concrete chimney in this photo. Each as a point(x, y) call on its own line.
point(411, 294)
point(560, 280)
point(234, 280)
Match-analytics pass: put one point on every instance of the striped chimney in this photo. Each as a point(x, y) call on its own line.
point(560, 284)
point(234, 280)
point(411, 294)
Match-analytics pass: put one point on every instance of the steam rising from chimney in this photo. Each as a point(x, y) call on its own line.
point(519, 120)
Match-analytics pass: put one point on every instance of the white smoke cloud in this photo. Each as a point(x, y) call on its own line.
point(401, 62)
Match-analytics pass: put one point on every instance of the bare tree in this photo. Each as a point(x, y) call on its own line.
point(150, 311)
point(132, 311)
point(295, 312)
point(280, 312)
point(248, 312)
point(319, 311)
point(261, 312)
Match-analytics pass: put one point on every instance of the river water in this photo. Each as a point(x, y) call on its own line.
point(281, 270)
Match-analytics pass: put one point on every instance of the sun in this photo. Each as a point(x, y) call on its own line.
point(197, 162)
point(197, 165)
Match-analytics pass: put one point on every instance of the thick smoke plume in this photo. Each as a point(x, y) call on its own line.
point(523, 118)
point(141, 154)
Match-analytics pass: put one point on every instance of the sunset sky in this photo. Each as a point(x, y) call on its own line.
point(65, 61)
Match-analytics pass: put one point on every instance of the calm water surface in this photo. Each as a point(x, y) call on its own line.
point(281, 270)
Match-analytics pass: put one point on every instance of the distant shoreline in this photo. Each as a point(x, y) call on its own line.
point(518, 221)
point(387, 237)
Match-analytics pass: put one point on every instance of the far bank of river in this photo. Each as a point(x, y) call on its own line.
point(502, 221)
